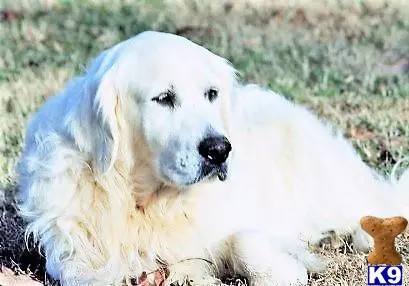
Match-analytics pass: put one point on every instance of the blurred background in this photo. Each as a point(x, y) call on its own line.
point(347, 60)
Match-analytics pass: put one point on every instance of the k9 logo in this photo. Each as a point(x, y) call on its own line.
point(385, 275)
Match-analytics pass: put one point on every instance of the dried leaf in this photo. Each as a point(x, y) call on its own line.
point(8, 278)
point(160, 276)
point(360, 133)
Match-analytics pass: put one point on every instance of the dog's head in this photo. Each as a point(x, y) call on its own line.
point(176, 95)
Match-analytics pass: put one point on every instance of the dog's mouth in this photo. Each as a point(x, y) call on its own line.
point(211, 171)
point(222, 172)
point(207, 172)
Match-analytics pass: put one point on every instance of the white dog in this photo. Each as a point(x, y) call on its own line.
point(158, 156)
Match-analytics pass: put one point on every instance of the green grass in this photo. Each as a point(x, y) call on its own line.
point(330, 57)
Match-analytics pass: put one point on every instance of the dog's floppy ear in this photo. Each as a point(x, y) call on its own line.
point(105, 102)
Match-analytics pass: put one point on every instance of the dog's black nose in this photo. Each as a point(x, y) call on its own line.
point(215, 149)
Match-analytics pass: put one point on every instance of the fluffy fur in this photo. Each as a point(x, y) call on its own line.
point(112, 183)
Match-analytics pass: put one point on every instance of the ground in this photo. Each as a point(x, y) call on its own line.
point(347, 60)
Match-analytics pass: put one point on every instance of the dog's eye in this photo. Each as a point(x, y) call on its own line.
point(167, 98)
point(211, 94)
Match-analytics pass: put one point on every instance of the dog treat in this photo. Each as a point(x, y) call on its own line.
point(384, 232)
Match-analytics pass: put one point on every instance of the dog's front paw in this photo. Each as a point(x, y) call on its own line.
point(192, 273)
point(288, 271)
point(266, 281)
point(195, 281)
point(361, 240)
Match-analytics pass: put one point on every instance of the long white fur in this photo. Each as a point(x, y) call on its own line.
point(105, 171)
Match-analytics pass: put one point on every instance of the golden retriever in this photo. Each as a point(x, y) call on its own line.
point(157, 156)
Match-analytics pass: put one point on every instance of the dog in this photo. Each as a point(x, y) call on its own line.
point(157, 155)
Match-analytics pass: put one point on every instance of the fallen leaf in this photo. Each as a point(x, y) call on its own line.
point(142, 280)
point(160, 276)
point(360, 133)
point(8, 278)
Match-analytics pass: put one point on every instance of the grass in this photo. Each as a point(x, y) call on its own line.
point(343, 59)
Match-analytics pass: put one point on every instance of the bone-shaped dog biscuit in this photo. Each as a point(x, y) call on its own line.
point(384, 232)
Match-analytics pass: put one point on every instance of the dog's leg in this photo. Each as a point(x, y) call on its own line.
point(75, 274)
point(254, 256)
point(362, 241)
point(52, 206)
point(193, 272)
